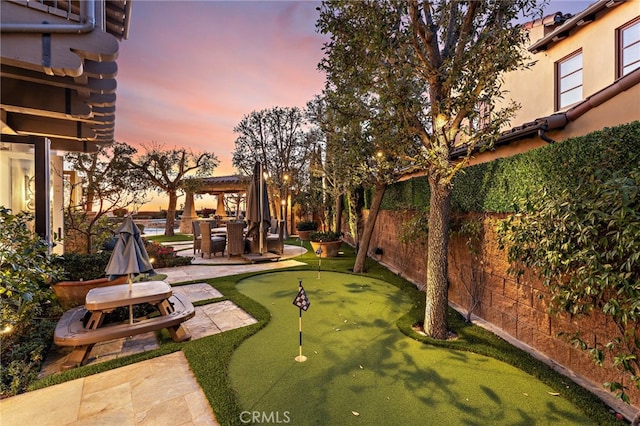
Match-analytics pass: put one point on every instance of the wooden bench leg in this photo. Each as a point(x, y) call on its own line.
point(95, 320)
point(79, 356)
point(178, 332)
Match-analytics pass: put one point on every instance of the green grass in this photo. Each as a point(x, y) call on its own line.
point(169, 239)
point(210, 357)
point(360, 362)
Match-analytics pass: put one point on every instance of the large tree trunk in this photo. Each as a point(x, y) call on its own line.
point(435, 316)
point(361, 256)
point(171, 214)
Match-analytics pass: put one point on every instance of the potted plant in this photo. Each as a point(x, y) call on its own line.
point(82, 272)
point(305, 228)
point(327, 243)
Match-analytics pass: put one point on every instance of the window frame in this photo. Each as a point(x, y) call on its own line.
point(558, 79)
point(620, 48)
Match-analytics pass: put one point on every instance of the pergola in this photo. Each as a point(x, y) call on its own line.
point(215, 185)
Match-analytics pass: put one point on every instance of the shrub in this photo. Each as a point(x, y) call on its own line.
point(585, 244)
point(83, 267)
point(493, 186)
point(307, 225)
point(325, 236)
point(25, 270)
point(86, 233)
point(27, 317)
point(164, 256)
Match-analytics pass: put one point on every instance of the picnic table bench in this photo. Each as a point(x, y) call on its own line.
point(81, 327)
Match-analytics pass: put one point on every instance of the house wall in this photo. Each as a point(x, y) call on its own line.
point(534, 88)
point(621, 109)
point(516, 305)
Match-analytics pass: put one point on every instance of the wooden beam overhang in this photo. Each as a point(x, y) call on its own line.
point(574, 23)
point(44, 100)
point(60, 84)
point(234, 184)
point(45, 126)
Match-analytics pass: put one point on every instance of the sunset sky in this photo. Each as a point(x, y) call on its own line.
point(191, 70)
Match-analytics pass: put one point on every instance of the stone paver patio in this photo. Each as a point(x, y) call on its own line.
point(158, 391)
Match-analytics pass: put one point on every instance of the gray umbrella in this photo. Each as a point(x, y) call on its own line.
point(258, 206)
point(129, 257)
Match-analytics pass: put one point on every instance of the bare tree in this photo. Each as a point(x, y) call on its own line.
point(107, 183)
point(169, 170)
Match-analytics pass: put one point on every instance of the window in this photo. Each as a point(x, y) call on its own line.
point(628, 48)
point(569, 80)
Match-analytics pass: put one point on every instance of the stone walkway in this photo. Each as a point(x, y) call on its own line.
point(159, 391)
point(210, 319)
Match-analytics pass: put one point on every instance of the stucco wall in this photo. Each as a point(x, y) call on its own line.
point(517, 305)
point(597, 41)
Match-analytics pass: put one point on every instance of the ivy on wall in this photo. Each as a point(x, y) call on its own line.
point(585, 245)
point(577, 226)
point(494, 186)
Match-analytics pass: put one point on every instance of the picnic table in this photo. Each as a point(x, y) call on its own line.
point(82, 327)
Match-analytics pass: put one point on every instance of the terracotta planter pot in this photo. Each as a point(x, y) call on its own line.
point(304, 235)
point(74, 293)
point(329, 248)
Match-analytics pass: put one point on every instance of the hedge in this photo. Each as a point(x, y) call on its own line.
point(496, 185)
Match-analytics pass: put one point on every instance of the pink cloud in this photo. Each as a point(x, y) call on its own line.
point(190, 71)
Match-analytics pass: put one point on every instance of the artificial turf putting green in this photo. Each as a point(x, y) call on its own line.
point(362, 370)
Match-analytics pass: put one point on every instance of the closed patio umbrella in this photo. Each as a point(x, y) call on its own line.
point(258, 214)
point(129, 257)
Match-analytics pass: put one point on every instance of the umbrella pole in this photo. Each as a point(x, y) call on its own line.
point(261, 207)
point(130, 306)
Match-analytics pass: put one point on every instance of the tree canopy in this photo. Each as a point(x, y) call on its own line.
point(275, 137)
point(437, 66)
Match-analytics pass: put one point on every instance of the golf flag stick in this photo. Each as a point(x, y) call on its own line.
point(302, 302)
point(319, 253)
point(300, 357)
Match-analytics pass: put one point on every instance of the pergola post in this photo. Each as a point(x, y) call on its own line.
point(220, 209)
point(188, 215)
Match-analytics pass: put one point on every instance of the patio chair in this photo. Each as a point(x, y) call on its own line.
point(211, 244)
point(235, 238)
point(197, 237)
